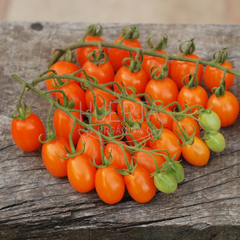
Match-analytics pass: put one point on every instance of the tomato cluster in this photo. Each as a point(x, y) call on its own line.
point(124, 118)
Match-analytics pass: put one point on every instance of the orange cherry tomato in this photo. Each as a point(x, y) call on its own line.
point(116, 55)
point(187, 123)
point(146, 161)
point(193, 96)
point(53, 163)
point(136, 110)
point(62, 67)
point(165, 90)
point(63, 125)
point(109, 185)
point(197, 154)
point(25, 133)
point(103, 72)
point(82, 53)
point(100, 95)
point(226, 107)
point(118, 159)
point(111, 119)
point(165, 119)
point(180, 69)
point(81, 173)
point(169, 142)
point(140, 185)
point(213, 76)
point(74, 92)
point(138, 80)
point(92, 147)
point(151, 61)
point(140, 134)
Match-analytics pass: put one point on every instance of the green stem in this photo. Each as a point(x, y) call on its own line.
point(21, 95)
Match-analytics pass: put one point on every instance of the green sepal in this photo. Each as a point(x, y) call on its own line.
point(190, 47)
point(23, 113)
point(130, 32)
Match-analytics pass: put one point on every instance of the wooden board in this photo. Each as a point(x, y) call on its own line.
point(34, 204)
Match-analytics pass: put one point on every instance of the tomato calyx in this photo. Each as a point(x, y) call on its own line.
point(220, 57)
point(183, 135)
point(135, 63)
point(155, 132)
point(130, 167)
point(106, 161)
point(164, 71)
point(94, 30)
point(128, 122)
point(189, 49)
point(88, 79)
point(23, 112)
point(220, 91)
point(98, 56)
point(100, 112)
point(162, 43)
point(130, 33)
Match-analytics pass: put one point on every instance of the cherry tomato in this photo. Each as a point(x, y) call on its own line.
point(82, 53)
point(165, 182)
point(138, 80)
point(140, 134)
point(100, 95)
point(165, 90)
point(197, 154)
point(109, 185)
point(180, 69)
point(146, 161)
point(111, 119)
point(226, 107)
point(92, 147)
point(118, 159)
point(213, 76)
point(164, 119)
point(187, 123)
point(74, 92)
point(140, 185)
point(210, 119)
point(25, 133)
point(54, 164)
point(103, 72)
point(81, 173)
point(151, 61)
point(116, 55)
point(215, 141)
point(168, 141)
point(62, 67)
point(136, 110)
point(63, 125)
point(193, 96)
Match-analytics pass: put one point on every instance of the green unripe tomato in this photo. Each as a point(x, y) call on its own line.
point(210, 120)
point(215, 141)
point(176, 169)
point(165, 182)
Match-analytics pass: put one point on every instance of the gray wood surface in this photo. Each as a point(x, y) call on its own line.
point(34, 204)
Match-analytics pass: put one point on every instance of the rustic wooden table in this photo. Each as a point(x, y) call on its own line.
point(34, 204)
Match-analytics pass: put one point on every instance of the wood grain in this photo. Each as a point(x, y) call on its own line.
point(34, 204)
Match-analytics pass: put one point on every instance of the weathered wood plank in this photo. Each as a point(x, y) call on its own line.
point(34, 204)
